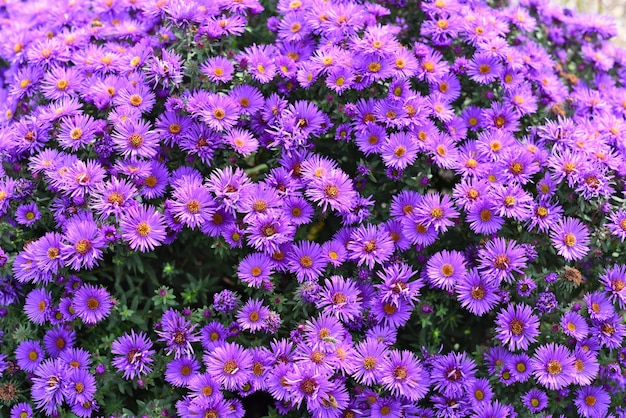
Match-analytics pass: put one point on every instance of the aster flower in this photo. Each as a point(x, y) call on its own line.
point(80, 387)
point(340, 298)
point(586, 366)
point(574, 325)
point(592, 401)
point(180, 371)
point(500, 259)
point(218, 69)
point(399, 150)
point(305, 260)
point(614, 280)
point(255, 269)
point(38, 305)
point(191, 202)
point(48, 385)
point(479, 391)
point(517, 326)
point(29, 355)
point(553, 366)
point(369, 245)
point(252, 315)
point(452, 372)
point(143, 227)
point(92, 304)
point(133, 354)
point(230, 365)
point(335, 190)
point(436, 209)
point(27, 214)
point(617, 224)
point(535, 400)
point(83, 244)
point(476, 293)
point(445, 269)
point(220, 112)
point(178, 333)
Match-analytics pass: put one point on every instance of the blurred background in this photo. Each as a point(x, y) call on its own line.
point(615, 8)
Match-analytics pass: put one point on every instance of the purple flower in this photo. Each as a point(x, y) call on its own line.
point(143, 227)
point(27, 214)
point(49, 382)
point(38, 305)
point(83, 244)
point(370, 245)
point(553, 366)
point(445, 269)
point(230, 365)
point(178, 333)
point(29, 355)
point(452, 372)
point(574, 325)
point(57, 340)
point(369, 360)
point(340, 298)
point(570, 237)
point(92, 304)
point(305, 260)
point(517, 326)
point(476, 293)
point(133, 354)
point(499, 259)
point(134, 138)
point(252, 315)
point(535, 400)
point(592, 401)
point(179, 372)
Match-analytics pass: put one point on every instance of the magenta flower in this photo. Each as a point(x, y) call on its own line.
point(570, 237)
point(133, 354)
point(142, 227)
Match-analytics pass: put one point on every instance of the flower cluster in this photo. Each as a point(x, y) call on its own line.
point(367, 208)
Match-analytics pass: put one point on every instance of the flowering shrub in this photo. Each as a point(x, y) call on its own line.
point(311, 208)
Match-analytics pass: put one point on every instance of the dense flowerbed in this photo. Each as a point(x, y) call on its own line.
point(339, 208)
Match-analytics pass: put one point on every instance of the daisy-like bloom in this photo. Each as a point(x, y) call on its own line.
point(76, 358)
point(512, 201)
point(113, 197)
point(586, 366)
point(614, 280)
point(340, 298)
point(476, 293)
point(403, 375)
point(48, 385)
point(80, 387)
point(334, 252)
point(574, 325)
point(220, 112)
point(267, 231)
point(38, 305)
point(22, 410)
point(138, 97)
point(76, 132)
point(399, 151)
point(452, 372)
point(553, 366)
point(91, 303)
point(255, 269)
point(501, 258)
point(230, 365)
point(83, 244)
point(178, 333)
point(483, 217)
point(396, 284)
point(484, 68)
point(305, 260)
point(191, 202)
point(495, 409)
point(133, 354)
point(180, 371)
point(241, 141)
point(609, 331)
point(29, 355)
point(135, 138)
point(617, 224)
point(570, 237)
point(535, 400)
point(142, 227)
point(27, 214)
point(592, 401)
point(445, 269)
point(369, 359)
point(394, 315)
point(517, 326)
point(335, 190)
point(437, 210)
point(252, 315)
point(298, 210)
point(370, 245)
point(479, 391)
point(81, 178)
point(599, 306)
